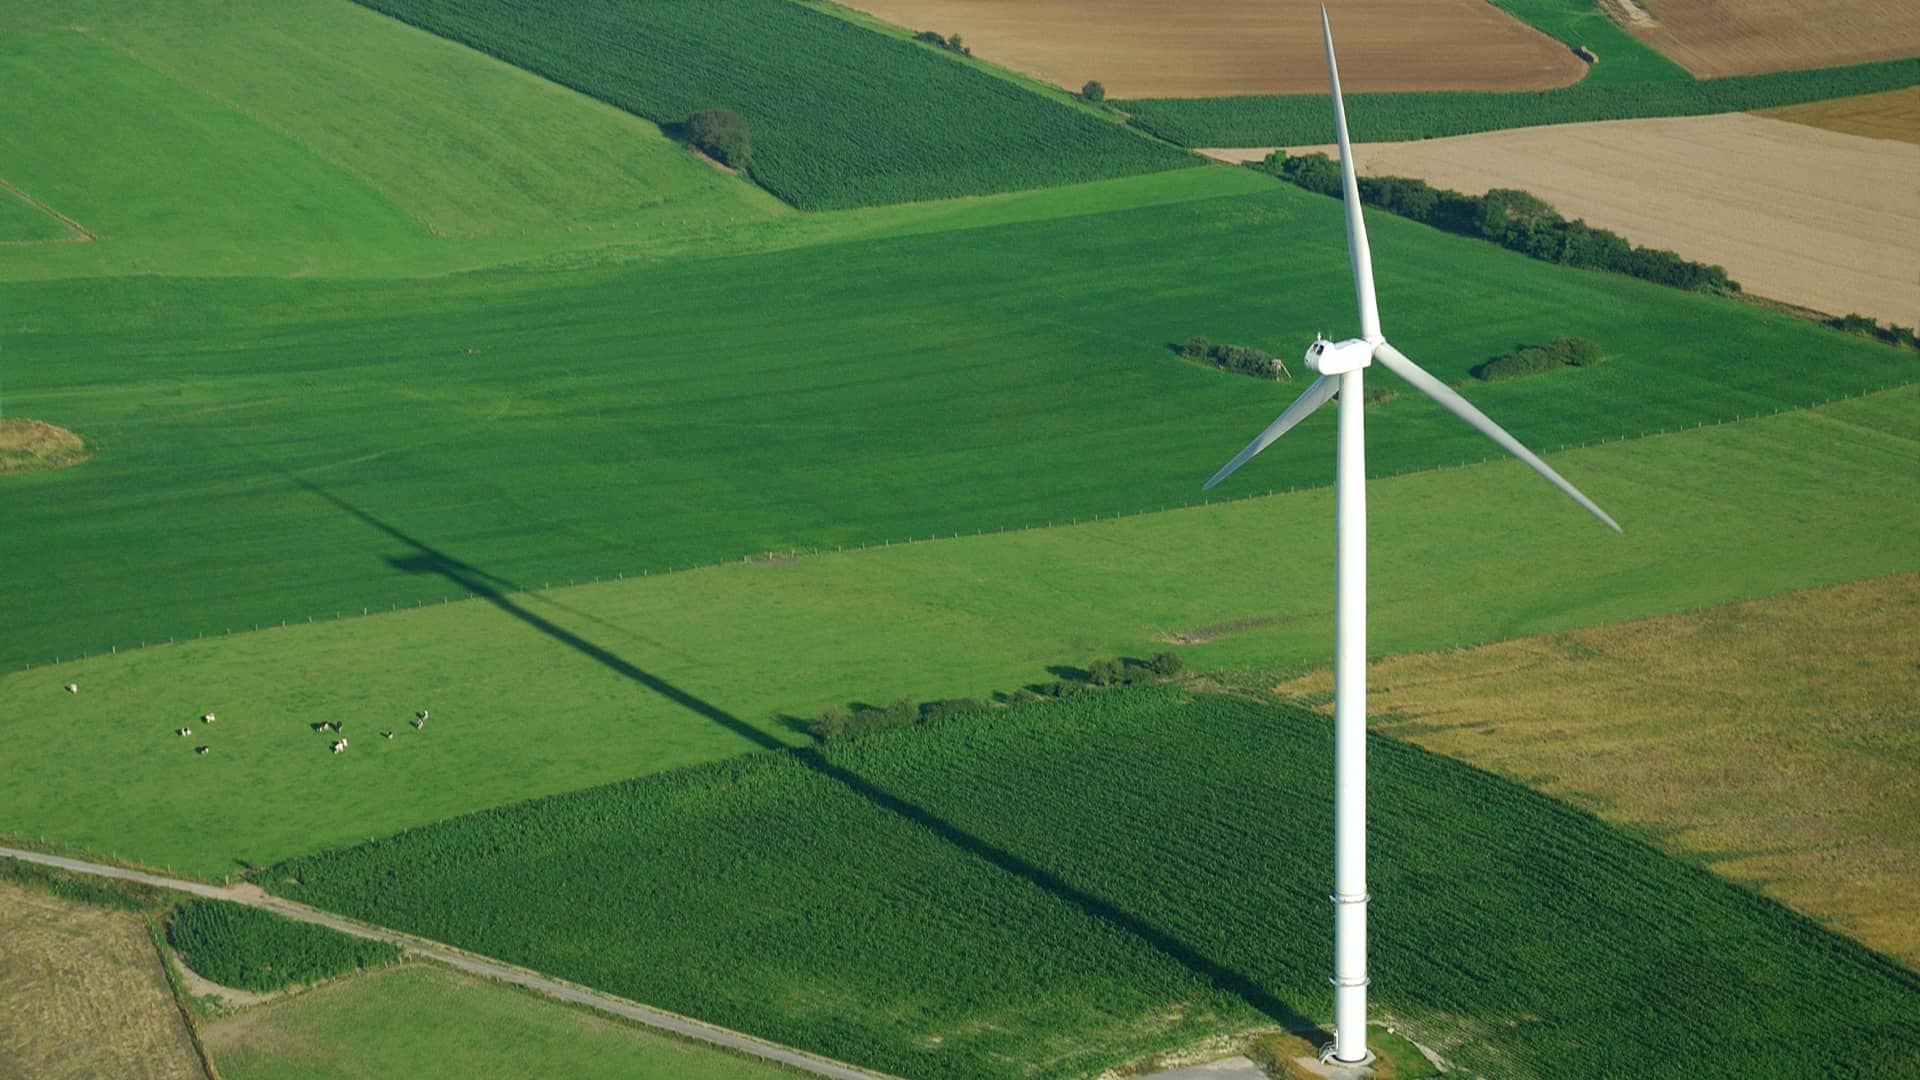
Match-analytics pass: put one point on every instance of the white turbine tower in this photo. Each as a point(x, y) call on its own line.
point(1340, 366)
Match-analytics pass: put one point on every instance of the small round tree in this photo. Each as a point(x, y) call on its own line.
point(1093, 91)
point(722, 136)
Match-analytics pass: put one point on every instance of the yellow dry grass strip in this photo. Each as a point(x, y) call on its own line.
point(82, 994)
point(1892, 115)
point(1778, 739)
point(30, 446)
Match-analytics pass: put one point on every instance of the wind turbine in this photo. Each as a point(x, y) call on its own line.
point(1340, 366)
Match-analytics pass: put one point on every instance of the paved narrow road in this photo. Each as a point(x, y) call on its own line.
point(254, 896)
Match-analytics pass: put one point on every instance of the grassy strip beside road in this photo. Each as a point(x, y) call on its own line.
point(424, 1020)
point(1306, 120)
point(1060, 887)
point(537, 693)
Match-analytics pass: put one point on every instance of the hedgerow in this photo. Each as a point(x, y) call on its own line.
point(250, 949)
point(841, 116)
point(1050, 889)
point(1307, 119)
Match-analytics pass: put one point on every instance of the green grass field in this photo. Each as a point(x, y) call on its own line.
point(539, 693)
point(1057, 888)
point(840, 116)
point(1305, 119)
point(317, 137)
point(1623, 57)
point(548, 427)
point(21, 222)
point(423, 1020)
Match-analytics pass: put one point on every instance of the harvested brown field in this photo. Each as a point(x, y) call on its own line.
point(82, 993)
point(1777, 740)
point(1209, 48)
point(1815, 218)
point(1711, 38)
point(1892, 115)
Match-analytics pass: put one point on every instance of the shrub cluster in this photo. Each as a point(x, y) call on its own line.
point(1867, 327)
point(1244, 359)
point(950, 42)
point(1533, 359)
point(835, 723)
point(250, 949)
point(722, 135)
point(1514, 219)
point(1093, 91)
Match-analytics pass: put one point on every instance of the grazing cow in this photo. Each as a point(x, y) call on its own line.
point(321, 726)
point(417, 724)
point(208, 718)
point(183, 732)
point(422, 714)
point(202, 750)
point(73, 688)
point(339, 745)
point(386, 734)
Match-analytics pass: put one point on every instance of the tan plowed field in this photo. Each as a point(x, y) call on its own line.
point(1745, 37)
point(1206, 48)
point(1795, 213)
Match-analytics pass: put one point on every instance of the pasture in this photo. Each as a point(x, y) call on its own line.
point(543, 692)
point(1209, 48)
point(402, 153)
point(1892, 115)
point(334, 446)
point(22, 222)
point(1772, 740)
point(1815, 218)
point(1059, 887)
point(424, 1020)
point(82, 993)
point(840, 116)
point(1713, 38)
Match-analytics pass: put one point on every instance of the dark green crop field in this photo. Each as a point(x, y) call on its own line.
point(840, 116)
point(1049, 890)
point(251, 949)
point(1306, 119)
point(274, 450)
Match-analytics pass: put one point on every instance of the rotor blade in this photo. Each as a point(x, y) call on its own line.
point(1315, 396)
point(1395, 361)
point(1358, 253)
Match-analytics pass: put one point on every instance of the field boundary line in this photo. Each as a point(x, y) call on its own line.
point(473, 963)
point(542, 591)
point(81, 235)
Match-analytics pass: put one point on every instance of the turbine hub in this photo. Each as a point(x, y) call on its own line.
point(1339, 357)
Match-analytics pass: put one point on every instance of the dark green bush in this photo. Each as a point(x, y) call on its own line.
point(1093, 91)
point(722, 135)
point(1105, 673)
point(1167, 664)
point(250, 949)
point(1533, 359)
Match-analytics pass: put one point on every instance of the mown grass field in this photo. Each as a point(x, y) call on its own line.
point(329, 446)
point(21, 222)
point(1060, 887)
point(839, 116)
point(1774, 740)
point(1305, 120)
point(538, 693)
point(318, 137)
point(423, 1020)
point(1623, 57)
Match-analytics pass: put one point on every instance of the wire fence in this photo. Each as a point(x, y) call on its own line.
point(795, 553)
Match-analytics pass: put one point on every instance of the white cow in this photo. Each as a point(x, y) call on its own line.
point(73, 688)
point(339, 745)
point(386, 734)
point(184, 732)
point(202, 750)
point(208, 718)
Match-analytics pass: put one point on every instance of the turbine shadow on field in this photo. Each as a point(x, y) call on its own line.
point(495, 590)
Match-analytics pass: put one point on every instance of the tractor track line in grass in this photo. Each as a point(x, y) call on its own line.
point(685, 1027)
point(80, 233)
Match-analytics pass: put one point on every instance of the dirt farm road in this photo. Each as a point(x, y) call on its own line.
point(254, 896)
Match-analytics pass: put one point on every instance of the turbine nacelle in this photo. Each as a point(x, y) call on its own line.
point(1339, 357)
